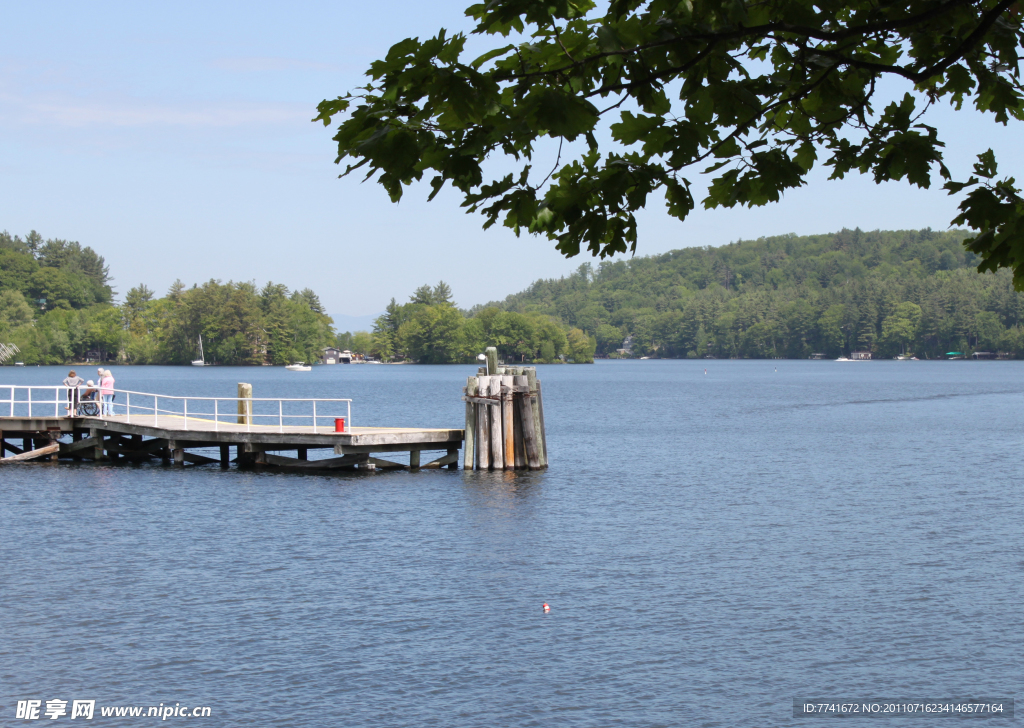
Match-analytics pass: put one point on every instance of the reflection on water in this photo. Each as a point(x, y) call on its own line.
point(711, 546)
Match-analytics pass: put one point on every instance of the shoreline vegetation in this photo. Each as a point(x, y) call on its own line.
point(888, 292)
point(57, 306)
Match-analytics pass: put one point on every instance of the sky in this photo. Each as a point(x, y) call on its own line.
point(176, 140)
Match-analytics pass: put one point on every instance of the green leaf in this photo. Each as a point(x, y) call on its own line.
point(481, 60)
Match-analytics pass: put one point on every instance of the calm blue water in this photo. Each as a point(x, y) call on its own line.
point(712, 546)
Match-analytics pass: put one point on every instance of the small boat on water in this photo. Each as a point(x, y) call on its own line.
point(843, 358)
point(299, 366)
point(19, 363)
point(201, 361)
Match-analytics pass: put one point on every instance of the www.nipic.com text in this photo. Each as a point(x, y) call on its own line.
point(53, 709)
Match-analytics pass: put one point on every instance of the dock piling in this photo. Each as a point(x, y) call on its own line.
point(505, 414)
point(508, 423)
point(469, 454)
point(244, 403)
point(483, 427)
point(497, 439)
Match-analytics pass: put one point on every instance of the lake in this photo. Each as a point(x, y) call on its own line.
point(712, 545)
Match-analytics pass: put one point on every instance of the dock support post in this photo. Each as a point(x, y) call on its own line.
point(97, 435)
point(453, 453)
point(469, 456)
point(3, 445)
point(177, 453)
point(497, 439)
point(492, 360)
point(26, 444)
point(543, 430)
point(483, 427)
point(517, 422)
point(538, 426)
point(225, 455)
point(302, 453)
point(244, 403)
point(529, 433)
point(54, 440)
point(508, 423)
point(414, 459)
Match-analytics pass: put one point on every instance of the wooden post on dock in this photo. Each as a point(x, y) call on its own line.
point(543, 430)
point(469, 454)
point(492, 360)
point(97, 435)
point(538, 428)
point(529, 433)
point(483, 427)
point(497, 438)
point(517, 423)
point(508, 423)
point(225, 456)
point(244, 404)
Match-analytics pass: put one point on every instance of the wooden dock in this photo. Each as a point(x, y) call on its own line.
point(175, 439)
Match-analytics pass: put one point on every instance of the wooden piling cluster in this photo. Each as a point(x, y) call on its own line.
point(504, 418)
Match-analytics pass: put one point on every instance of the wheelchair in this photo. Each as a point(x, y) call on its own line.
point(89, 407)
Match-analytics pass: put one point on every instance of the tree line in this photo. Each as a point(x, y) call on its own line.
point(888, 292)
point(432, 330)
point(57, 305)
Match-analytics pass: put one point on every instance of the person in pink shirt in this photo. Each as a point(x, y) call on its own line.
point(106, 391)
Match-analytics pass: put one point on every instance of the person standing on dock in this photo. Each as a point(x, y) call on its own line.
point(72, 381)
point(107, 391)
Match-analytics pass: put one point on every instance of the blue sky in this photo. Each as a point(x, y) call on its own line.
point(176, 140)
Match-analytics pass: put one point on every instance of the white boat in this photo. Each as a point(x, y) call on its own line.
point(843, 358)
point(299, 367)
point(201, 361)
point(19, 363)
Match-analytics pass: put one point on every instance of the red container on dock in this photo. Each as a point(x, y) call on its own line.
point(339, 424)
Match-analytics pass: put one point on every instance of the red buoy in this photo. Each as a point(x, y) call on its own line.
point(546, 608)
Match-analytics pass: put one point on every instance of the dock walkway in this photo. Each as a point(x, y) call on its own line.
point(174, 436)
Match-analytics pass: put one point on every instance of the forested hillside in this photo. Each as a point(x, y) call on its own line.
point(791, 296)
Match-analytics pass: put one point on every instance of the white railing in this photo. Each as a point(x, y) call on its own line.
point(148, 408)
point(36, 403)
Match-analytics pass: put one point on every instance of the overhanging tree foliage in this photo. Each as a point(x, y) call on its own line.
point(754, 93)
